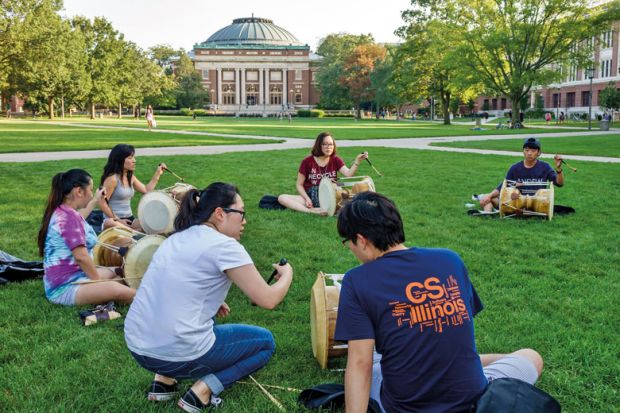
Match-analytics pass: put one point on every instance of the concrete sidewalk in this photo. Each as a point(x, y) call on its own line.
point(296, 143)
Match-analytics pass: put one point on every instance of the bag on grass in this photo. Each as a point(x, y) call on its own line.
point(270, 202)
point(154, 123)
point(509, 395)
point(329, 396)
point(99, 314)
point(95, 219)
point(15, 269)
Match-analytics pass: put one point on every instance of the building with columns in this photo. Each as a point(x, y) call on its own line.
point(255, 67)
point(572, 94)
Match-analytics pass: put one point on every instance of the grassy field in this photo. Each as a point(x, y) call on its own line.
point(552, 286)
point(341, 128)
point(594, 145)
point(33, 136)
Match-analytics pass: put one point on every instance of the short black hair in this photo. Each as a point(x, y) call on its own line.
point(375, 217)
point(531, 143)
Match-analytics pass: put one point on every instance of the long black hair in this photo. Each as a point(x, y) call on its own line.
point(116, 162)
point(375, 217)
point(62, 185)
point(197, 206)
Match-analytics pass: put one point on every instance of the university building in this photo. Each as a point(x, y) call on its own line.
point(256, 67)
point(572, 95)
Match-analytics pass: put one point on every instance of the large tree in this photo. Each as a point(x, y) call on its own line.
point(334, 50)
point(610, 98)
point(357, 69)
point(513, 45)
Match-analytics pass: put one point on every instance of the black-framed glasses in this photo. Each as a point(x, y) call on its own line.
point(235, 210)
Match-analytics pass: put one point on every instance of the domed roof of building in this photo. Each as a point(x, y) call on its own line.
point(252, 31)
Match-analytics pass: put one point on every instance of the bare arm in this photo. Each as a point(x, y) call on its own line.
point(558, 169)
point(358, 375)
point(109, 184)
point(86, 263)
point(85, 212)
point(351, 171)
point(256, 288)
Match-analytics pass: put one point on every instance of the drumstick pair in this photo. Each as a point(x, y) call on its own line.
point(101, 281)
point(373, 167)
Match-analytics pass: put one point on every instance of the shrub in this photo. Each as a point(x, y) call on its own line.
point(313, 113)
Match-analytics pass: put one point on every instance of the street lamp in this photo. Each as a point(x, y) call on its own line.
point(590, 75)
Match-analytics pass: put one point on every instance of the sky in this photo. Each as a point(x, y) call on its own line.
point(184, 23)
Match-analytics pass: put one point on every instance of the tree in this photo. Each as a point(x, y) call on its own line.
point(190, 92)
point(610, 98)
point(334, 49)
point(381, 82)
point(357, 68)
point(516, 44)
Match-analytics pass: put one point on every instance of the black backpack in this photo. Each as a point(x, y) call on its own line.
point(509, 395)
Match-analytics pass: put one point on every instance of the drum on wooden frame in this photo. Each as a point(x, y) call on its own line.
point(334, 195)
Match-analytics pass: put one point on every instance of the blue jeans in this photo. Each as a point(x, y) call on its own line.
point(239, 350)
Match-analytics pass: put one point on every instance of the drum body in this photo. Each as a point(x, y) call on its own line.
point(158, 209)
point(513, 203)
point(136, 258)
point(323, 313)
point(334, 195)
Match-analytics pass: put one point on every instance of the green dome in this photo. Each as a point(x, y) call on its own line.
point(252, 31)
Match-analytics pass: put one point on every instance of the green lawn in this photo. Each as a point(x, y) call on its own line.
point(342, 128)
point(552, 286)
point(34, 136)
point(593, 145)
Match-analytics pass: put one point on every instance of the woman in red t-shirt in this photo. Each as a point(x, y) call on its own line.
point(322, 163)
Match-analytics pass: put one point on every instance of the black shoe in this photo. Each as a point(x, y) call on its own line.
point(192, 404)
point(160, 392)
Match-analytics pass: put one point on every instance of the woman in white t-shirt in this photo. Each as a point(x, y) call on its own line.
point(169, 328)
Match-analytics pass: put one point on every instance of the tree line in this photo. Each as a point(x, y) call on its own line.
point(456, 50)
point(55, 63)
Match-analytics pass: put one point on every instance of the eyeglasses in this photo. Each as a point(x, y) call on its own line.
point(235, 210)
point(327, 144)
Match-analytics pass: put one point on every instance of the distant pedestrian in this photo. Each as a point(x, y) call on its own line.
point(150, 117)
point(547, 117)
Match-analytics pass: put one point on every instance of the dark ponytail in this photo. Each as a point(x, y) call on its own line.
point(197, 206)
point(62, 185)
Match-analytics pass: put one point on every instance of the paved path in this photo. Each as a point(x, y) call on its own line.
point(296, 143)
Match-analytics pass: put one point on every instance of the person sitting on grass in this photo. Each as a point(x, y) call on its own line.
point(120, 183)
point(416, 306)
point(323, 162)
point(170, 328)
point(66, 242)
point(530, 170)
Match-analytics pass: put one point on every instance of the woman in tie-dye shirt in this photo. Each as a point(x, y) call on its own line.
point(66, 242)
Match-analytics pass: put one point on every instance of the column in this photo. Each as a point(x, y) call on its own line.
point(285, 87)
point(219, 86)
point(237, 86)
point(243, 98)
point(261, 87)
point(267, 98)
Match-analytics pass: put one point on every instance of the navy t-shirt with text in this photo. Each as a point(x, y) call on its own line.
point(418, 305)
point(540, 172)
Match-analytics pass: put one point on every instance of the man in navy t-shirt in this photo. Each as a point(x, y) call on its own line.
point(530, 170)
point(415, 306)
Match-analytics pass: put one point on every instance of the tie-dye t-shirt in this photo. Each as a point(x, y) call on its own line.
point(67, 230)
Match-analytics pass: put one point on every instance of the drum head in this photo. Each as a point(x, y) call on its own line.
point(327, 196)
point(318, 321)
point(156, 212)
point(139, 257)
point(119, 237)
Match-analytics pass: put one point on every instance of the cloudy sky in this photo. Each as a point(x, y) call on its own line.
point(183, 23)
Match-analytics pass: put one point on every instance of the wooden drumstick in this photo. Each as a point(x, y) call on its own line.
point(175, 175)
point(102, 281)
point(373, 167)
point(271, 386)
point(569, 166)
point(269, 395)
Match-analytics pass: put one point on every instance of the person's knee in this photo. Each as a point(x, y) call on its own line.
point(282, 198)
point(123, 293)
point(533, 356)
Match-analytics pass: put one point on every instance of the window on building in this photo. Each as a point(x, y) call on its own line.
point(585, 98)
point(228, 94)
point(606, 68)
point(557, 101)
point(275, 95)
point(494, 104)
point(504, 103)
point(314, 76)
point(570, 99)
point(205, 74)
point(251, 94)
point(298, 98)
point(228, 75)
point(298, 74)
point(606, 40)
point(275, 76)
point(572, 74)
